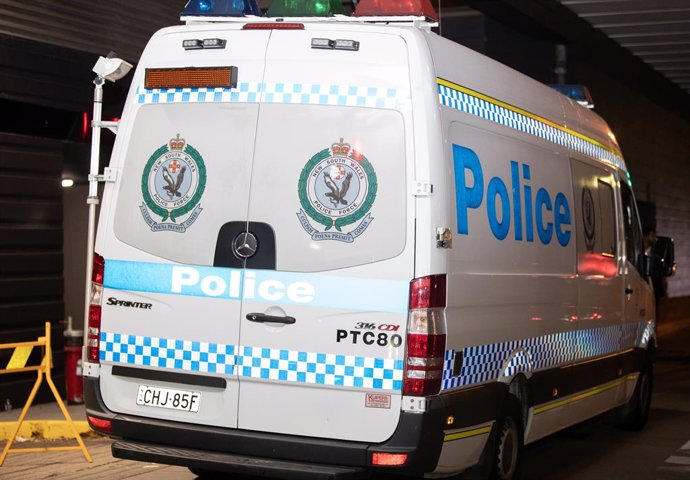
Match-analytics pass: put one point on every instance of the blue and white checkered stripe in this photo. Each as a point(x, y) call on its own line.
point(479, 107)
point(165, 353)
point(253, 362)
point(646, 333)
point(490, 362)
point(294, 93)
point(631, 334)
point(637, 334)
point(320, 368)
point(244, 93)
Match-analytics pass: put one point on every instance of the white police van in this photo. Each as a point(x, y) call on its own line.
point(340, 245)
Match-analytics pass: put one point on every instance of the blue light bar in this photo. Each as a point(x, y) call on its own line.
point(579, 93)
point(221, 8)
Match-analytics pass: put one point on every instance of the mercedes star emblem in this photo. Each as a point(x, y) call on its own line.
point(245, 245)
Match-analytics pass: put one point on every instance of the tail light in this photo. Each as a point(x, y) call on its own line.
point(384, 459)
point(273, 26)
point(100, 424)
point(95, 300)
point(426, 336)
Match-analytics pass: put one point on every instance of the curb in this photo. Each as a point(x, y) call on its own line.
point(44, 430)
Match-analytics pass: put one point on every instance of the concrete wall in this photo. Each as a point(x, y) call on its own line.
point(75, 223)
point(31, 263)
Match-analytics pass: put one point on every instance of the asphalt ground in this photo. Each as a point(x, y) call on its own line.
point(71, 465)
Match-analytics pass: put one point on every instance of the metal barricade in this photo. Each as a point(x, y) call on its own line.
point(17, 364)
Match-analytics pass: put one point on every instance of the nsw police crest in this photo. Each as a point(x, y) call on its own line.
point(337, 188)
point(173, 182)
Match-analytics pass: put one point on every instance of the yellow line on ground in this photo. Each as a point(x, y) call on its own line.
point(44, 449)
point(44, 429)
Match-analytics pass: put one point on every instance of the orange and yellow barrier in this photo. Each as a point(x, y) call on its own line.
point(17, 363)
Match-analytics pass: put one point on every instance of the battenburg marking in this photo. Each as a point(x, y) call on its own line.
point(337, 188)
point(172, 185)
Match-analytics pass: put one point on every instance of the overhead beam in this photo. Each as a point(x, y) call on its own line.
point(550, 19)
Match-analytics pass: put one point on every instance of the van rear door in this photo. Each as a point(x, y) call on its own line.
point(170, 317)
point(323, 322)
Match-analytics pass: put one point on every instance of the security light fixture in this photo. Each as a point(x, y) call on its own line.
point(111, 68)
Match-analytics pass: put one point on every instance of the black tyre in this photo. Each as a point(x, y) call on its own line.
point(633, 415)
point(502, 456)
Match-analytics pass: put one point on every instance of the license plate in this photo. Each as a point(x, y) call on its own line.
point(149, 396)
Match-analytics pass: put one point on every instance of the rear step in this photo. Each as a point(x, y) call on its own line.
point(225, 462)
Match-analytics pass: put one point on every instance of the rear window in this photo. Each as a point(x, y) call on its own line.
point(185, 173)
point(329, 182)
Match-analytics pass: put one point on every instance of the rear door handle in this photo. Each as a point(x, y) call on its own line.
point(263, 318)
point(628, 291)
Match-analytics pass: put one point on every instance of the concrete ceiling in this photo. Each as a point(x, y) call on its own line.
point(643, 43)
point(656, 31)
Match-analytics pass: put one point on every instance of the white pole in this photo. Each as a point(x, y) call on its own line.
point(92, 199)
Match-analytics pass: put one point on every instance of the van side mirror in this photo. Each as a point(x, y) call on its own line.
point(661, 259)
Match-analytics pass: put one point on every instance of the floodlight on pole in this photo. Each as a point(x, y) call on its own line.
point(109, 68)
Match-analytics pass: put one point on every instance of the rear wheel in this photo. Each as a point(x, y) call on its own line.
point(508, 450)
point(633, 415)
point(502, 456)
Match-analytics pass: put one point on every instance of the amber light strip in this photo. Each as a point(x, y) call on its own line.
point(206, 77)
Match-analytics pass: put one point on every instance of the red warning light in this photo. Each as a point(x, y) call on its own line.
point(84, 125)
point(391, 8)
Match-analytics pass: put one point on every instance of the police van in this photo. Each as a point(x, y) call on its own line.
point(337, 245)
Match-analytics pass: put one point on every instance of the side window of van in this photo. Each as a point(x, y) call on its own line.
point(594, 220)
point(634, 249)
point(607, 210)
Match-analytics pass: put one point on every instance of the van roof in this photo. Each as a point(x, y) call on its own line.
point(581, 129)
point(407, 20)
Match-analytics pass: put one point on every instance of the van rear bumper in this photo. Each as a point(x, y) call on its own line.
point(419, 435)
point(224, 462)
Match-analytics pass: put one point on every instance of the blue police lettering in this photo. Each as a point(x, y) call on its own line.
point(541, 212)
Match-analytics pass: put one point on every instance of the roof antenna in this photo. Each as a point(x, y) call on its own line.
point(440, 19)
point(561, 63)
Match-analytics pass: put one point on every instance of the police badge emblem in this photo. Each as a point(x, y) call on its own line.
point(588, 218)
point(337, 187)
point(172, 184)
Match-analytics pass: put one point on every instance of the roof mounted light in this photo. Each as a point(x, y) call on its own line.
point(391, 8)
point(579, 93)
point(273, 26)
point(206, 43)
point(221, 8)
point(305, 8)
point(343, 44)
point(339, 44)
